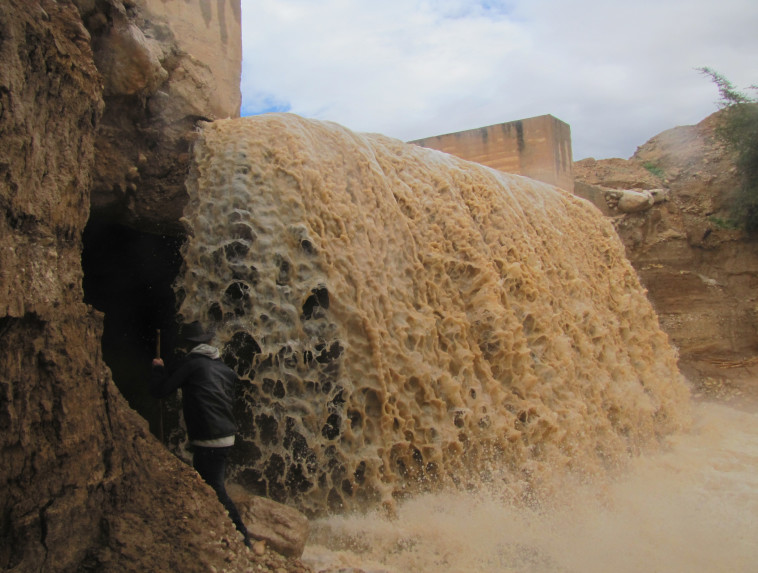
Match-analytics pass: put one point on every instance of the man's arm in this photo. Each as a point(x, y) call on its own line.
point(163, 381)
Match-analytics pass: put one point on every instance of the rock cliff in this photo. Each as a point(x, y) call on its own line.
point(670, 206)
point(164, 66)
point(85, 486)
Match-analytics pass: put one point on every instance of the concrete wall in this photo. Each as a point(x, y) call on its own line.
point(538, 147)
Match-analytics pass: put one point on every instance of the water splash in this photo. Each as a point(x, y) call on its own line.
point(689, 508)
point(406, 321)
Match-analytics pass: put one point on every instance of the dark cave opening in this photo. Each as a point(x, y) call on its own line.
point(128, 276)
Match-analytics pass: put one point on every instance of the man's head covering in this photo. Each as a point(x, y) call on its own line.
point(194, 332)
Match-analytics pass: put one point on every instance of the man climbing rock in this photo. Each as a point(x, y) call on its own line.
point(207, 399)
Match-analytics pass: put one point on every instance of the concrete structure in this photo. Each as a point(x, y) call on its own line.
point(538, 147)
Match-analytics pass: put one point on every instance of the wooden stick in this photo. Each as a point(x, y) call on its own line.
point(160, 403)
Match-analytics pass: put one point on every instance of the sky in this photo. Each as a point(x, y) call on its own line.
point(618, 72)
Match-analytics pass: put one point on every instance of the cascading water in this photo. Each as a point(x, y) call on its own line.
point(403, 320)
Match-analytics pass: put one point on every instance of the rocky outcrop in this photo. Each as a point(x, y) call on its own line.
point(165, 66)
point(50, 102)
point(700, 272)
point(85, 486)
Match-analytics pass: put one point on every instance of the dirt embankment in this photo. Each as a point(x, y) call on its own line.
point(670, 205)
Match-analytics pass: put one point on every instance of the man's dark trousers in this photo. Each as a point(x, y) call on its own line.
point(210, 463)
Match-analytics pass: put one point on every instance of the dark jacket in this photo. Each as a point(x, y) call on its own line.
point(207, 394)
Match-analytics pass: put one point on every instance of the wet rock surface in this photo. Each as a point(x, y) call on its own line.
point(278, 526)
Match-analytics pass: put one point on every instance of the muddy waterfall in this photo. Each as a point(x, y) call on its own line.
point(404, 320)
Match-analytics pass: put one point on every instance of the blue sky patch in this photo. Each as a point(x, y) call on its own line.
point(265, 105)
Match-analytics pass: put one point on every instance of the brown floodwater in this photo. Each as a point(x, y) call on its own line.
point(693, 506)
point(405, 323)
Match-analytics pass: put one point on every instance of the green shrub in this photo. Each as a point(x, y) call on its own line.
point(654, 169)
point(738, 128)
point(723, 223)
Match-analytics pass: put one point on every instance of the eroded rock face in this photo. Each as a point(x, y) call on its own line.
point(49, 339)
point(701, 274)
point(165, 65)
point(84, 484)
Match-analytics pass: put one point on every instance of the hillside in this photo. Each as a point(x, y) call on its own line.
point(670, 205)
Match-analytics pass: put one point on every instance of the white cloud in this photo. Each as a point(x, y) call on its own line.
point(618, 73)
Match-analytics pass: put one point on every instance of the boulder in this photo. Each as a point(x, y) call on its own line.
point(284, 529)
point(129, 62)
point(630, 201)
